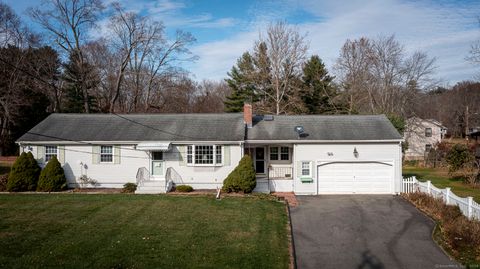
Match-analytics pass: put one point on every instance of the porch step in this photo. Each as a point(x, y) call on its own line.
point(152, 187)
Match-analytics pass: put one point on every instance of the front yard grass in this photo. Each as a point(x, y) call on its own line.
point(441, 179)
point(141, 231)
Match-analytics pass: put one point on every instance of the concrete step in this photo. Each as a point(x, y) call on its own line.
point(152, 187)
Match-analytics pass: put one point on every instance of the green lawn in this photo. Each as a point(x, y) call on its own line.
point(141, 231)
point(440, 178)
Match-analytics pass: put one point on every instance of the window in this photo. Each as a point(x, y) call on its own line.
point(428, 147)
point(428, 132)
point(306, 169)
point(157, 155)
point(106, 154)
point(273, 153)
point(189, 154)
point(284, 153)
point(204, 155)
point(50, 151)
point(218, 154)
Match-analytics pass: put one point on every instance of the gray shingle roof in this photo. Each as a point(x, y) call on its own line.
point(156, 127)
point(207, 127)
point(324, 127)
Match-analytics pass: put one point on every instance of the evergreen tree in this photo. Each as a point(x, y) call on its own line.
point(318, 91)
point(74, 75)
point(242, 84)
point(52, 177)
point(24, 174)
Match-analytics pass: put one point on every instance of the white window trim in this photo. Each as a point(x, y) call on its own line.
point(279, 154)
point(205, 164)
point(309, 169)
point(100, 154)
point(56, 154)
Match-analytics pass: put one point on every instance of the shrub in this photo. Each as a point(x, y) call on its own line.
point(242, 178)
point(184, 188)
point(85, 180)
point(24, 174)
point(459, 233)
point(3, 182)
point(52, 177)
point(459, 156)
point(129, 187)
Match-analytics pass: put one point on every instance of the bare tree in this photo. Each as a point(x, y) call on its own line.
point(12, 31)
point(286, 50)
point(68, 22)
point(377, 76)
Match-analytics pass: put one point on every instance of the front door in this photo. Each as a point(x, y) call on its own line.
point(260, 160)
point(157, 164)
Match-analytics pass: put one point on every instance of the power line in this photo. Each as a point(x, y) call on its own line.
point(155, 129)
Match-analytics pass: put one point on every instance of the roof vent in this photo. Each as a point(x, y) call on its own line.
point(268, 117)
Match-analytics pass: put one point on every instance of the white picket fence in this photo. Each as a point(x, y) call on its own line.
point(467, 205)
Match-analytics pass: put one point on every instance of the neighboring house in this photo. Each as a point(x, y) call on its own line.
point(304, 154)
point(422, 136)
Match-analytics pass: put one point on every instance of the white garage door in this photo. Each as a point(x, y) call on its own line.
point(355, 177)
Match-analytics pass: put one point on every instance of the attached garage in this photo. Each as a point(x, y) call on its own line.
point(368, 177)
point(337, 154)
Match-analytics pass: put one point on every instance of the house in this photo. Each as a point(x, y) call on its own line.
point(304, 154)
point(421, 136)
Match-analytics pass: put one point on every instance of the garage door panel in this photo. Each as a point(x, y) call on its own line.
point(355, 177)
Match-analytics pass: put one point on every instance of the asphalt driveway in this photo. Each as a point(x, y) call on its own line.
point(364, 231)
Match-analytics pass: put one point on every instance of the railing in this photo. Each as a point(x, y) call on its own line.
point(172, 177)
point(280, 172)
point(142, 175)
point(469, 208)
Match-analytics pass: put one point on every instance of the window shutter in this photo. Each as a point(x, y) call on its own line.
point(314, 169)
point(226, 155)
point(41, 154)
point(116, 155)
point(95, 154)
point(182, 155)
point(299, 169)
point(61, 154)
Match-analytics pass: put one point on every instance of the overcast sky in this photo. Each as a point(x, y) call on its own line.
point(445, 29)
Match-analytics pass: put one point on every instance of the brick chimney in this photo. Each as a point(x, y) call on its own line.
point(247, 115)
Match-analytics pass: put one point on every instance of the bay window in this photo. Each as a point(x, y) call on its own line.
point(204, 155)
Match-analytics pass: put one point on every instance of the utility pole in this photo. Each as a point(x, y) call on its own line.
point(466, 123)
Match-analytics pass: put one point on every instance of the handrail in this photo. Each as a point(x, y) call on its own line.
point(142, 175)
point(172, 177)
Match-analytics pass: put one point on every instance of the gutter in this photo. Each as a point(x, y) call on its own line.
point(68, 142)
point(297, 141)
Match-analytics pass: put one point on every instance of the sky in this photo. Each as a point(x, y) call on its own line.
point(444, 29)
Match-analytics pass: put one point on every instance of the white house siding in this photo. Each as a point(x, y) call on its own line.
point(203, 177)
point(416, 139)
point(323, 153)
point(114, 175)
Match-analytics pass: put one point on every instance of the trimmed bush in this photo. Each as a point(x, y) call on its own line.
point(184, 188)
point(129, 187)
point(3, 182)
point(52, 177)
point(24, 174)
point(242, 178)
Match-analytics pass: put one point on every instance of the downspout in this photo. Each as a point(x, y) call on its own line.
point(400, 163)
